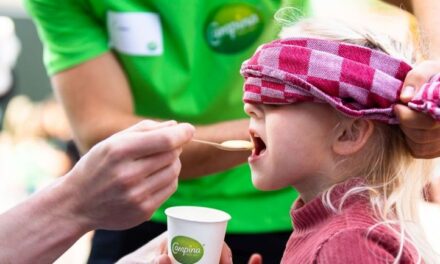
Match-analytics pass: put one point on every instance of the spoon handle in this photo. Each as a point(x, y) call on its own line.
point(207, 143)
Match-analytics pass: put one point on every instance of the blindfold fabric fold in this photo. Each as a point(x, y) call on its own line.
point(355, 80)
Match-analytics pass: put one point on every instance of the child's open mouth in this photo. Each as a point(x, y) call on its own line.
point(259, 145)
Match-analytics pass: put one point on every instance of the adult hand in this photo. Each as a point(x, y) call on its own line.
point(156, 252)
point(121, 181)
point(421, 131)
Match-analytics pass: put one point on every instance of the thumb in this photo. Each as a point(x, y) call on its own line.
point(407, 94)
point(255, 259)
point(162, 259)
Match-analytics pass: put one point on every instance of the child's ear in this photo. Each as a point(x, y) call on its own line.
point(352, 136)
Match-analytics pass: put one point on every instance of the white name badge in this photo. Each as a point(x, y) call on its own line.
point(135, 33)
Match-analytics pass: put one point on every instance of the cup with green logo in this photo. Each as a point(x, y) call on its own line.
point(195, 234)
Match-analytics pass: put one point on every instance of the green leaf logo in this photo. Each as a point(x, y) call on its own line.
point(186, 250)
point(232, 28)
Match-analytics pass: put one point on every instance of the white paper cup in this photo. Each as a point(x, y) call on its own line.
point(195, 234)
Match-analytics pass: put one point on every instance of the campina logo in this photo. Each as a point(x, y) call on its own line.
point(186, 250)
point(233, 27)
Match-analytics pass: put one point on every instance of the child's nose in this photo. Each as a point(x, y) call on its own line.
point(253, 110)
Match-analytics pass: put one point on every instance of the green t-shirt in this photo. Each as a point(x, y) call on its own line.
point(182, 63)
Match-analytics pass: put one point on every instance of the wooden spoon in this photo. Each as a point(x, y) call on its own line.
point(229, 145)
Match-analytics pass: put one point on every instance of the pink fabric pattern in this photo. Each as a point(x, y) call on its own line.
point(355, 80)
point(427, 99)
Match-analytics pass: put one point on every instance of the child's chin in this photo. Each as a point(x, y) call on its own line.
point(263, 185)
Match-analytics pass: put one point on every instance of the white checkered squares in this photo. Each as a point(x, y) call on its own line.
point(330, 70)
point(377, 62)
point(327, 46)
point(269, 57)
point(272, 93)
point(253, 97)
point(385, 86)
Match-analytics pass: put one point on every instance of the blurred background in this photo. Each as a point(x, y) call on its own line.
point(35, 142)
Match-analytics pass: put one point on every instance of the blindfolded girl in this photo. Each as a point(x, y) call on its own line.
point(321, 101)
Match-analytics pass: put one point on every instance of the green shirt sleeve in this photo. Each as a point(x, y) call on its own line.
point(71, 33)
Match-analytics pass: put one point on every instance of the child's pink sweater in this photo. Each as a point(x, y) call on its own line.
point(321, 236)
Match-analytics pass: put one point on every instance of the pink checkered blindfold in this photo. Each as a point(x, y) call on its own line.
point(357, 81)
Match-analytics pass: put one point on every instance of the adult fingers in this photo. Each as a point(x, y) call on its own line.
point(162, 259)
point(136, 171)
point(417, 77)
point(159, 140)
point(152, 252)
point(422, 133)
point(147, 125)
point(424, 150)
point(162, 241)
point(413, 119)
point(255, 259)
point(422, 136)
point(156, 200)
point(226, 255)
point(152, 184)
point(153, 201)
point(142, 144)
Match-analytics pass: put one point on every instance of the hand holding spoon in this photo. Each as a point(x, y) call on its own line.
point(229, 145)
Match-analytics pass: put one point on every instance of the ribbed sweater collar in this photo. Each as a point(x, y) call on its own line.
point(307, 215)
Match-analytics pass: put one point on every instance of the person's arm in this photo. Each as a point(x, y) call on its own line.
point(39, 229)
point(422, 133)
point(427, 13)
point(118, 184)
point(98, 102)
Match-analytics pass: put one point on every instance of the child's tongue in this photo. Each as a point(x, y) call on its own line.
point(260, 146)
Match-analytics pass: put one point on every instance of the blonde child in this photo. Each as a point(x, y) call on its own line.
point(321, 104)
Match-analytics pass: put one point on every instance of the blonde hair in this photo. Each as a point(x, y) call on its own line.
point(394, 179)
